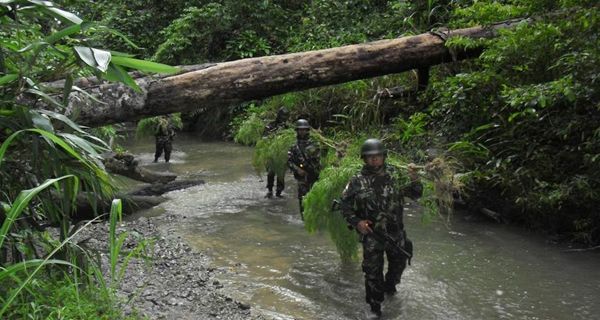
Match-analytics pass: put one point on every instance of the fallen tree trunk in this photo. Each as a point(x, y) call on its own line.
point(248, 79)
point(131, 203)
point(126, 165)
point(159, 189)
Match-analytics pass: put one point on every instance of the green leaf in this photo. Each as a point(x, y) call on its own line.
point(13, 269)
point(121, 54)
point(117, 73)
point(21, 203)
point(53, 138)
point(31, 46)
point(63, 33)
point(63, 118)
point(67, 89)
point(88, 95)
point(6, 113)
point(41, 121)
point(96, 58)
point(143, 65)
point(45, 96)
point(81, 143)
point(65, 15)
point(8, 78)
point(122, 36)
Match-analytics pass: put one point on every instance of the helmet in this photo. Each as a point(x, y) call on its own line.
point(302, 124)
point(282, 112)
point(371, 147)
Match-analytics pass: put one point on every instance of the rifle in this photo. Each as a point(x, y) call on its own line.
point(306, 165)
point(383, 237)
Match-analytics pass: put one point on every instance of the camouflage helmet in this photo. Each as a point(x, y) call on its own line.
point(372, 147)
point(302, 124)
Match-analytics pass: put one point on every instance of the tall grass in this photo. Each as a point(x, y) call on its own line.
point(271, 152)
point(25, 288)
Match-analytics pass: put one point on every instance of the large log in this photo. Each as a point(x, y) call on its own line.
point(126, 165)
point(255, 78)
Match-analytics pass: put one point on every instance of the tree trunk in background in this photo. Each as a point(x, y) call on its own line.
point(215, 85)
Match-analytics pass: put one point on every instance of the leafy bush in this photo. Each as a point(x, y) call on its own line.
point(250, 131)
point(271, 152)
point(147, 126)
point(48, 161)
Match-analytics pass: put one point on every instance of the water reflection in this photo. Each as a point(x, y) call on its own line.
point(474, 271)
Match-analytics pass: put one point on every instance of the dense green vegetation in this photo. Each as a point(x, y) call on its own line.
point(518, 128)
point(521, 123)
point(47, 162)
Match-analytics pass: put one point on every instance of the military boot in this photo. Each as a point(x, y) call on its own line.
point(269, 194)
point(376, 308)
point(389, 289)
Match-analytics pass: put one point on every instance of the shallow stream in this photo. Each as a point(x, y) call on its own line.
point(471, 271)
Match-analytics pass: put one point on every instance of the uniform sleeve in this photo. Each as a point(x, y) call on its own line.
point(348, 203)
point(292, 160)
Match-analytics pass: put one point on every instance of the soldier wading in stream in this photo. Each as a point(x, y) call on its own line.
point(278, 123)
point(372, 203)
point(304, 160)
point(164, 134)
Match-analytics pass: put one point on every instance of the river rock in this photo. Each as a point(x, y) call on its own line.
point(171, 284)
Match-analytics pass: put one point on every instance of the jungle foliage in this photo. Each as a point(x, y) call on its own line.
point(521, 123)
point(48, 163)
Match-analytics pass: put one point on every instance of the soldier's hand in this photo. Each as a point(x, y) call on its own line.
point(301, 172)
point(412, 171)
point(364, 226)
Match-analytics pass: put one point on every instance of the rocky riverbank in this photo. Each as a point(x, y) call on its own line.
point(172, 281)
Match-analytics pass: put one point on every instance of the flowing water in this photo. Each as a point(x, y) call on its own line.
point(473, 271)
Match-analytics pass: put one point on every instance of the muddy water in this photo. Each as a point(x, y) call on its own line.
point(474, 271)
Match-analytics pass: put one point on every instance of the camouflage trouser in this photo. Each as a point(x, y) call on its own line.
point(304, 186)
point(375, 283)
point(271, 181)
point(163, 144)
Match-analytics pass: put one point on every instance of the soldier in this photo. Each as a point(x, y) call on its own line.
point(304, 161)
point(164, 134)
point(372, 204)
point(278, 123)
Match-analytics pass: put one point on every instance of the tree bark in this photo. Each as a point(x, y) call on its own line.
point(161, 188)
point(131, 203)
point(219, 84)
point(126, 165)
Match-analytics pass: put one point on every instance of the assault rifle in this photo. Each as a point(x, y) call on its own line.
point(406, 249)
point(306, 164)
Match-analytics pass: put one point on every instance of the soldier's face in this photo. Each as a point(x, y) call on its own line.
point(302, 132)
point(375, 160)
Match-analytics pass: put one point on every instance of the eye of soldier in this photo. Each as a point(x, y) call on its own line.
point(375, 157)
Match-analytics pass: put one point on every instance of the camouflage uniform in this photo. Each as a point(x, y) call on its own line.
point(164, 138)
point(378, 196)
point(305, 155)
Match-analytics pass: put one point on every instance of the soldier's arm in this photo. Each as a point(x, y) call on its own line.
point(292, 161)
point(347, 203)
point(415, 188)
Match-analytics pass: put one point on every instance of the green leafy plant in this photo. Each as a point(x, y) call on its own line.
point(271, 152)
point(250, 131)
point(41, 141)
point(147, 126)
